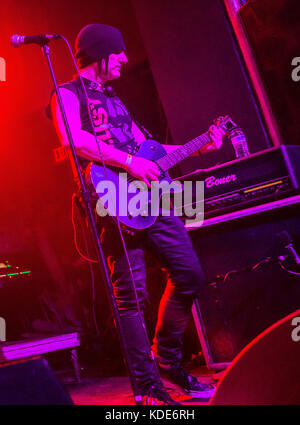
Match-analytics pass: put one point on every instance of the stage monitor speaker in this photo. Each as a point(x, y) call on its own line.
point(31, 383)
point(246, 289)
point(267, 371)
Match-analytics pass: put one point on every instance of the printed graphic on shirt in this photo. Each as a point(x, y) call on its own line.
point(112, 122)
point(100, 119)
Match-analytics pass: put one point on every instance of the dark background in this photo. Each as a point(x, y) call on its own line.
point(183, 72)
point(272, 28)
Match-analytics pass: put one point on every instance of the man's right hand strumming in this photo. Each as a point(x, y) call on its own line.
point(143, 169)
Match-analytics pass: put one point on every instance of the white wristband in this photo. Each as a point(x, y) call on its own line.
point(128, 161)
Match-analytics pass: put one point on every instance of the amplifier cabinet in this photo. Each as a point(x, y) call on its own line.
point(246, 290)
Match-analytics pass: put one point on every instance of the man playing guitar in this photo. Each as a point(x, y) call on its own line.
point(100, 53)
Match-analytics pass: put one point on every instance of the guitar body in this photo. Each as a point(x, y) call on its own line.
point(97, 176)
point(152, 150)
point(139, 208)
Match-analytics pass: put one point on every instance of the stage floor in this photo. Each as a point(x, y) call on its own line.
point(117, 390)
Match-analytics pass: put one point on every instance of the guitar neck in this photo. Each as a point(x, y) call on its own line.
point(168, 161)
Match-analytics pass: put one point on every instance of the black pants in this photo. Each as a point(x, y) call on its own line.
point(168, 240)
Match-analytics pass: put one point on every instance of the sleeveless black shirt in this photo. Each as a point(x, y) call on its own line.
point(112, 121)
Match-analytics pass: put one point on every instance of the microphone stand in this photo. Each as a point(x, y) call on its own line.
point(86, 197)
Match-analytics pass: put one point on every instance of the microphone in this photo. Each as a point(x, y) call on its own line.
point(288, 244)
point(18, 40)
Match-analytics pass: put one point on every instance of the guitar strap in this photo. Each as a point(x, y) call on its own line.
point(143, 130)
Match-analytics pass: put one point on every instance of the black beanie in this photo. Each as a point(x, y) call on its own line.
point(97, 41)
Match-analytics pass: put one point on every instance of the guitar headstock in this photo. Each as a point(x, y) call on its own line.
point(226, 124)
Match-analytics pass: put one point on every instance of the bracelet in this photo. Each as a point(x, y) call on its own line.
point(128, 161)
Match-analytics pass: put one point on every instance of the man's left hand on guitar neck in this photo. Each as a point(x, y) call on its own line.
point(216, 134)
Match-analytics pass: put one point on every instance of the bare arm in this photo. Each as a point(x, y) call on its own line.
point(216, 135)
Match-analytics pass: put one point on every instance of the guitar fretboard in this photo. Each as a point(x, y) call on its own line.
point(168, 161)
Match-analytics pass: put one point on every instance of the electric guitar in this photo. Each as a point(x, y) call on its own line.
point(121, 194)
